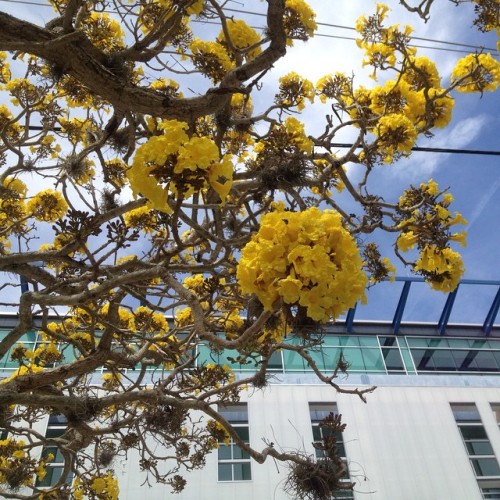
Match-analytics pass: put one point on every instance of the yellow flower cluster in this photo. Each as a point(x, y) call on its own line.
point(211, 58)
point(243, 37)
point(5, 73)
point(426, 225)
point(47, 206)
point(104, 32)
point(294, 90)
point(443, 266)
point(299, 20)
point(176, 163)
point(141, 218)
point(476, 73)
point(303, 259)
point(100, 487)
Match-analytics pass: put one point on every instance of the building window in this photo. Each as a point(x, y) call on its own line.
point(233, 462)
point(318, 412)
point(496, 411)
point(479, 450)
point(56, 427)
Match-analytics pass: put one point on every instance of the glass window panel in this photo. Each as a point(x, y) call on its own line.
point(458, 343)
point(331, 340)
point(349, 340)
point(354, 357)
point(473, 432)
point(437, 342)
point(465, 412)
point(479, 344)
point(53, 475)
point(204, 354)
point(368, 341)
point(293, 361)
point(485, 466)
point(416, 342)
point(393, 359)
point(460, 358)
point(234, 413)
point(408, 361)
point(486, 362)
point(387, 341)
point(224, 452)
point(373, 360)
point(243, 433)
point(316, 433)
point(275, 361)
point(322, 364)
point(496, 410)
point(479, 448)
point(443, 360)
point(319, 411)
point(239, 454)
point(225, 472)
point(242, 472)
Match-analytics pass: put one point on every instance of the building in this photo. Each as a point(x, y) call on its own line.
point(430, 431)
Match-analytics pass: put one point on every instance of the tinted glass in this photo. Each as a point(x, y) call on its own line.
point(486, 466)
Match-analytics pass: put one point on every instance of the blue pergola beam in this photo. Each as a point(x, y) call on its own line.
point(445, 315)
point(492, 314)
point(398, 316)
point(350, 318)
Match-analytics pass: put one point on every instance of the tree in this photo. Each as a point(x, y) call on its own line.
point(233, 215)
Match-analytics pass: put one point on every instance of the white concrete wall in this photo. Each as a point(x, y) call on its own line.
point(403, 444)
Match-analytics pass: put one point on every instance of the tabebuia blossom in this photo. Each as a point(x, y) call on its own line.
point(303, 259)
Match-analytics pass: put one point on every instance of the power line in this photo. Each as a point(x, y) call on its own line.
point(349, 145)
point(434, 150)
point(324, 35)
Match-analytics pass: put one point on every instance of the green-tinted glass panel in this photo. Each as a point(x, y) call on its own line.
point(349, 340)
point(204, 354)
point(478, 344)
point(331, 340)
point(322, 363)
point(486, 466)
point(225, 472)
point(373, 360)
point(416, 342)
point(293, 361)
point(275, 362)
point(459, 343)
point(437, 342)
point(355, 358)
point(408, 361)
point(368, 341)
point(69, 353)
point(53, 475)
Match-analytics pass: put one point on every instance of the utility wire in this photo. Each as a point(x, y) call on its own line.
point(349, 145)
point(323, 35)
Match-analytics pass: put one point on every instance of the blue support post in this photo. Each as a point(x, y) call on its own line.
point(24, 284)
point(398, 316)
point(492, 314)
point(350, 318)
point(445, 315)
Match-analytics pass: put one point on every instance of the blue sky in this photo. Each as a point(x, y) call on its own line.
point(473, 180)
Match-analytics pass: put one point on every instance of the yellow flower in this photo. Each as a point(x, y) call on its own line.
point(476, 73)
point(406, 241)
point(48, 206)
point(305, 258)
